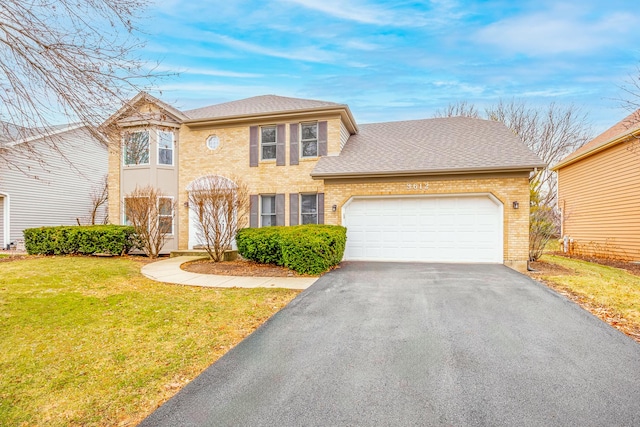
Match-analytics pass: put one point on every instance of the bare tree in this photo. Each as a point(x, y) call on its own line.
point(552, 133)
point(459, 109)
point(67, 59)
point(220, 205)
point(151, 213)
point(99, 200)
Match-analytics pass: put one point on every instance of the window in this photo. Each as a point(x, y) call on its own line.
point(136, 148)
point(267, 211)
point(309, 208)
point(136, 209)
point(268, 142)
point(165, 215)
point(165, 148)
point(309, 139)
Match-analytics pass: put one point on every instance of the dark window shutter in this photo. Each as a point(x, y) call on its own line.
point(280, 145)
point(254, 205)
point(279, 209)
point(322, 138)
point(253, 146)
point(294, 150)
point(294, 198)
point(321, 208)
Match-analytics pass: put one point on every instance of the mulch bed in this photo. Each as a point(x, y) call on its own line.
point(631, 267)
point(239, 268)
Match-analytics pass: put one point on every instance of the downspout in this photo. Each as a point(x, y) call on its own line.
point(6, 221)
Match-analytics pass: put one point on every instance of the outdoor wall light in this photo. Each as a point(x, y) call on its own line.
point(334, 208)
point(516, 205)
point(186, 204)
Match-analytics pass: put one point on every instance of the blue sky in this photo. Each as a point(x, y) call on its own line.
point(397, 60)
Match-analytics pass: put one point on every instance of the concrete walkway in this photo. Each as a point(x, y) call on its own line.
point(169, 271)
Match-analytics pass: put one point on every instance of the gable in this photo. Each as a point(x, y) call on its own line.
point(145, 109)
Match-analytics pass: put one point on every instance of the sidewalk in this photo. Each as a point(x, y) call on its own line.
point(169, 271)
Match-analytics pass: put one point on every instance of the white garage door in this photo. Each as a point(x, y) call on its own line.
point(432, 229)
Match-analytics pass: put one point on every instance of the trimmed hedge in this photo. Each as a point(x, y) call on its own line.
point(307, 249)
point(82, 240)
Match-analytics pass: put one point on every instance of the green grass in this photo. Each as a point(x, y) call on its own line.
point(601, 285)
point(90, 341)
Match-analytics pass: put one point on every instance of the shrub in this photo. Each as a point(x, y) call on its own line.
point(260, 244)
point(83, 240)
point(307, 249)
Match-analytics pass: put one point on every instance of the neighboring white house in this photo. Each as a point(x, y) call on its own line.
point(43, 186)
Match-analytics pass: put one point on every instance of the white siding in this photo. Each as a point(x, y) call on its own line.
point(59, 191)
point(2, 244)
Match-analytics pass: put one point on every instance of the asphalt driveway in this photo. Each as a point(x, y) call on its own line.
point(418, 345)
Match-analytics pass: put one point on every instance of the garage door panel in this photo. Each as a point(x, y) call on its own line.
point(438, 229)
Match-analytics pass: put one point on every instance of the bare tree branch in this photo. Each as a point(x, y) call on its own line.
point(66, 60)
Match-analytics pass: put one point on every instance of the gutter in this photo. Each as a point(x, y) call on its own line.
point(432, 172)
point(46, 134)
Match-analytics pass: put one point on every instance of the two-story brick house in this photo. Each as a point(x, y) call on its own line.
point(440, 190)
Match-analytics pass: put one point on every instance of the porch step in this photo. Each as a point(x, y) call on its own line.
point(230, 255)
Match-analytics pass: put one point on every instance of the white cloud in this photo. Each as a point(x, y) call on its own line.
point(562, 30)
point(205, 71)
point(307, 54)
point(397, 15)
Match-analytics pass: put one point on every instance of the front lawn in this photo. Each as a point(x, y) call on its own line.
point(90, 341)
point(611, 293)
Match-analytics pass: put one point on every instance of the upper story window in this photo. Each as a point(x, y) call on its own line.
point(165, 148)
point(309, 139)
point(268, 142)
point(136, 148)
point(267, 211)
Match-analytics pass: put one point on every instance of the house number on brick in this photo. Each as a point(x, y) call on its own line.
point(417, 186)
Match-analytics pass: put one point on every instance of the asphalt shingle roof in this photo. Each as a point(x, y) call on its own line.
point(257, 105)
point(428, 146)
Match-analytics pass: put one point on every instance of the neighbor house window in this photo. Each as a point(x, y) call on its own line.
point(136, 148)
point(165, 214)
point(309, 208)
point(268, 142)
point(309, 139)
point(165, 148)
point(267, 211)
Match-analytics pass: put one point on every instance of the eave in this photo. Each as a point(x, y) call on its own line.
point(343, 111)
point(612, 142)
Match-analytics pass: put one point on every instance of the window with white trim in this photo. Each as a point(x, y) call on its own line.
point(136, 148)
point(309, 139)
point(267, 211)
point(165, 214)
point(268, 142)
point(309, 208)
point(165, 148)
